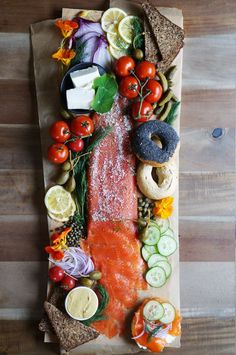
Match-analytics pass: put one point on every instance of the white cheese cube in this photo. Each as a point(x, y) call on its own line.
point(79, 98)
point(84, 77)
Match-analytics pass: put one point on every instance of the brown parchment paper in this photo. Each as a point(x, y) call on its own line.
point(45, 40)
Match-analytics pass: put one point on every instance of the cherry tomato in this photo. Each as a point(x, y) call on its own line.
point(124, 65)
point(67, 283)
point(145, 112)
point(155, 89)
point(129, 87)
point(59, 131)
point(77, 145)
point(82, 126)
point(56, 273)
point(58, 153)
point(145, 70)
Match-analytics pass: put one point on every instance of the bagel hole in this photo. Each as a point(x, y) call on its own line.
point(154, 175)
point(156, 140)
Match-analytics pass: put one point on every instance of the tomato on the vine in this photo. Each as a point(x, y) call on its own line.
point(129, 87)
point(58, 153)
point(143, 113)
point(155, 89)
point(124, 65)
point(59, 131)
point(145, 70)
point(77, 145)
point(82, 126)
point(56, 273)
point(67, 283)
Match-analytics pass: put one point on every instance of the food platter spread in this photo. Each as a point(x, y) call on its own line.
point(108, 88)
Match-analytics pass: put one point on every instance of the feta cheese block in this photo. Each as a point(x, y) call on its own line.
point(79, 98)
point(84, 77)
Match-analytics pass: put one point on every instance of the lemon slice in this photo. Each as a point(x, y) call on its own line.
point(126, 29)
point(57, 200)
point(63, 217)
point(117, 53)
point(111, 18)
point(116, 41)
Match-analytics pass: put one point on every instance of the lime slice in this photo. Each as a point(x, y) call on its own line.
point(57, 200)
point(63, 217)
point(111, 18)
point(116, 41)
point(117, 53)
point(126, 29)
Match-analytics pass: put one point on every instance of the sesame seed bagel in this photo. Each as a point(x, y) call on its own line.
point(145, 147)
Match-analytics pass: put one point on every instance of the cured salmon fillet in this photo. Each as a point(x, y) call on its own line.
point(112, 238)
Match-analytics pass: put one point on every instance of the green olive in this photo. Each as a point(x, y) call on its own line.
point(144, 234)
point(84, 281)
point(62, 178)
point(65, 114)
point(138, 54)
point(95, 275)
point(70, 184)
point(142, 222)
point(66, 166)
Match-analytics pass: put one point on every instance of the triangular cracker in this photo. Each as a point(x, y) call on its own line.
point(70, 332)
point(168, 36)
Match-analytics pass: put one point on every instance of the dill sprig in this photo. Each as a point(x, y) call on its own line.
point(138, 31)
point(102, 305)
point(172, 114)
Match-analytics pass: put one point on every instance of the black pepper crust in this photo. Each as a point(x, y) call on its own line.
point(147, 150)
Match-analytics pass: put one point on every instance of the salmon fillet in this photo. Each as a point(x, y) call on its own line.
point(112, 239)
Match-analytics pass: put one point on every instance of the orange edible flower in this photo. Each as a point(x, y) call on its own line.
point(64, 55)
point(66, 27)
point(58, 244)
point(164, 207)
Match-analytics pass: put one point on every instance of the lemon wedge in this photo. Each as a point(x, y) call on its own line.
point(126, 29)
point(111, 18)
point(117, 53)
point(57, 200)
point(63, 217)
point(116, 41)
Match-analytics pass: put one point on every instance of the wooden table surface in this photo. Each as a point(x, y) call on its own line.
point(207, 178)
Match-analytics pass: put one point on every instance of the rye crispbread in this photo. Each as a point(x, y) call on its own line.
point(70, 332)
point(168, 37)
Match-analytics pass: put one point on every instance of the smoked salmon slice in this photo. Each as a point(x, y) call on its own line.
point(112, 237)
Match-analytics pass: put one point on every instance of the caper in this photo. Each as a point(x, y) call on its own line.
point(84, 281)
point(140, 214)
point(138, 54)
point(140, 208)
point(143, 203)
point(62, 178)
point(147, 204)
point(66, 166)
point(71, 184)
point(95, 275)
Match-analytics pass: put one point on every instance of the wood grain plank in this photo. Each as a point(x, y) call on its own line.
point(200, 18)
point(206, 241)
point(18, 102)
point(200, 336)
point(208, 108)
point(199, 240)
point(201, 194)
point(207, 194)
point(201, 152)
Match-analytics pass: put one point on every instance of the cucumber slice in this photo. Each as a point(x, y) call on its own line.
point(166, 266)
point(156, 276)
point(167, 245)
point(153, 310)
point(151, 235)
point(145, 254)
point(169, 232)
point(154, 258)
point(163, 224)
point(151, 249)
point(169, 313)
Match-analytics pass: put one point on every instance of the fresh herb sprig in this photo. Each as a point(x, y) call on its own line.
point(172, 114)
point(99, 315)
point(138, 31)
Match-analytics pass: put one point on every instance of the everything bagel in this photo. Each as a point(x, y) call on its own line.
point(145, 147)
point(157, 182)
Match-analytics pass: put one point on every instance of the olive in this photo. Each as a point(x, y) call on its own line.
point(144, 234)
point(84, 281)
point(65, 114)
point(95, 275)
point(66, 166)
point(142, 223)
point(71, 184)
point(138, 54)
point(62, 178)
